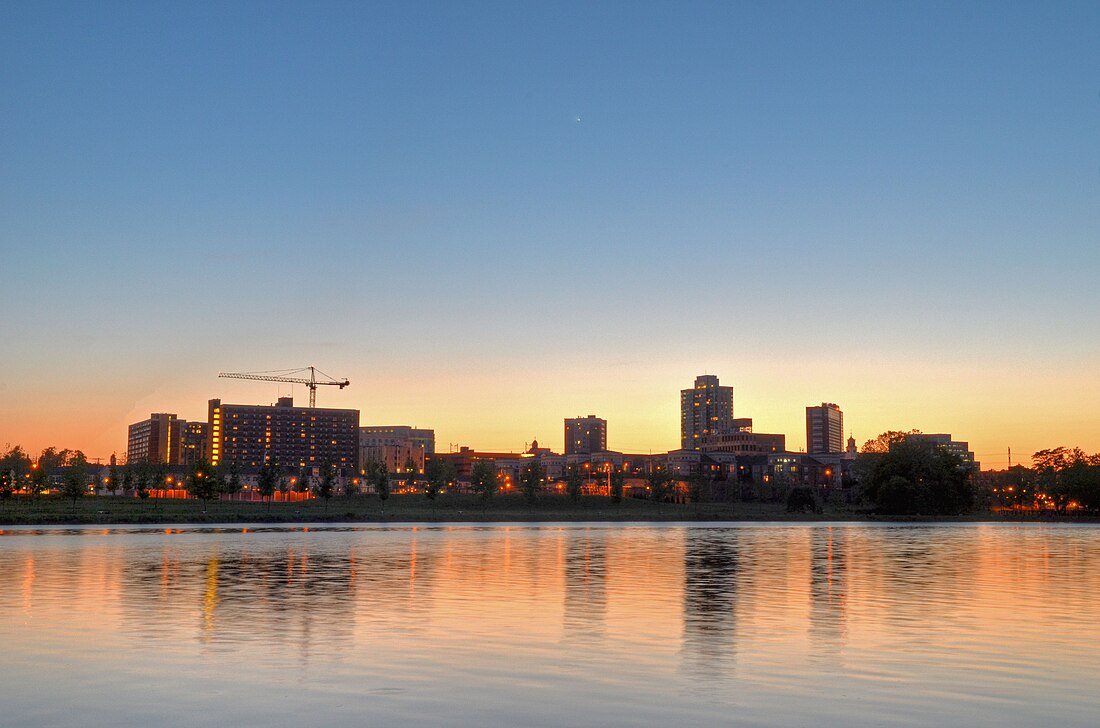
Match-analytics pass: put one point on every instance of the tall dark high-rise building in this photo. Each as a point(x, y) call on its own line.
point(249, 435)
point(585, 435)
point(705, 409)
point(824, 429)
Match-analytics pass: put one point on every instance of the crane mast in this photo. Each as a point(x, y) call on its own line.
point(282, 375)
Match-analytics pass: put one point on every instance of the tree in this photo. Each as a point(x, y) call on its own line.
point(439, 473)
point(899, 496)
point(142, 492)
point(660, 483)
point(158, 476)
point(7, 485)
point(801, 499)
point(914, 477)
point(530, 479)
point(142, 476)
point(282, 483)
point(617, 482)
point(1058, 458)
point(268, 480)
point(304, 476)
point(886, 440)
point(40, 480)
point(378, 477)
point(1065, 475)
point(1083, 482)
point(50, 459)
point(75, 483)
point(697, 483)
point(16, 463)
point(114, 479)
point(410, 474)
point(574, 481)
point(327, 487)
point(483, 479)
point(202, 482)
point(229, 480)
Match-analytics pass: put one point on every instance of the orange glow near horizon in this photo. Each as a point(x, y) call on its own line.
point(500, 411)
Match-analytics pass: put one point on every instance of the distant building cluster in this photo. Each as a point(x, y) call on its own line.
point(713, 443)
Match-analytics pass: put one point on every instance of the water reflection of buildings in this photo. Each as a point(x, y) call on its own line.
point(246, 592)
point(310, 591)
point(711, 562)
point(828, 592)
point(584, 617)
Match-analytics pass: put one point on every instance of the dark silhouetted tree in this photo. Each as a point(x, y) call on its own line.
point(801, 499)
point(267, 480)
point(304, 477)
point(142, 477)
point(40, 480)
point(574, 481)
point(697, 484)
point(1066, 475)
point(914, 477)
point(229, 480)
point(618, 480)
point(483, 479)
point(114, 479)
point(7, 485)
point(75, 482)
point(378, 477)
point(660, 484)
point(886, 440)
point(202, 482)
point(326, 488)
point(439, 473)
point(531, 477)
point(16, 463)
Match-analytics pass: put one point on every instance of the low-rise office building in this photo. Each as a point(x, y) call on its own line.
point(397, 436)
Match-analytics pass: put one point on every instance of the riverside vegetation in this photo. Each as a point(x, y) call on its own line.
point(892, 478)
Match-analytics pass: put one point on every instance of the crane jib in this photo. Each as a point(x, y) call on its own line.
point(311, 382)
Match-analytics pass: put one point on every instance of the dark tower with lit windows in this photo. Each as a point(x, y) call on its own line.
point(705, 409)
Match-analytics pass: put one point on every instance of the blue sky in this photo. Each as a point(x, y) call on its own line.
point(491, 216)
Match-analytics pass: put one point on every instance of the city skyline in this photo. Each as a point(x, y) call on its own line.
point(491, 218)
point(298, 402)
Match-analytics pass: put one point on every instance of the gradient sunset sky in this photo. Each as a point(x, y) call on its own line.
point(492, 216)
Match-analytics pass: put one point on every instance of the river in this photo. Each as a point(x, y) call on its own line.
point(551, 625)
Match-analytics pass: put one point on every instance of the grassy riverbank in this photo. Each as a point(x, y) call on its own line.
point(399, 508)
point(53, 510)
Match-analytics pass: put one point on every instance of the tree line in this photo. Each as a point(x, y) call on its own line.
point(894, 474)
point(1059, 479)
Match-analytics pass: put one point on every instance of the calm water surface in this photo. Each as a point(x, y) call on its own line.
point(770, 625)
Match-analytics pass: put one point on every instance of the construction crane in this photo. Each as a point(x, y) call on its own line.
point(284, 375)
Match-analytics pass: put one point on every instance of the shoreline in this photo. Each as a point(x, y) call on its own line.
point(51, 511)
